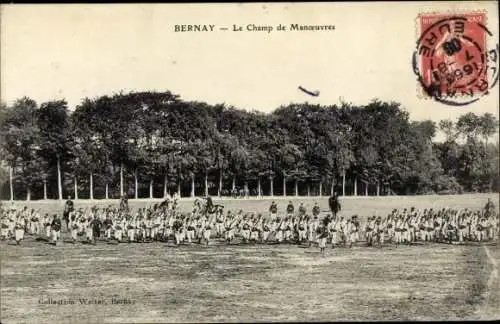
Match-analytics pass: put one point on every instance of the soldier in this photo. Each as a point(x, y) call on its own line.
point(207, 229)
point(55, 228)
point(462, 227)
point(302, 228)
point(75, 226)
point(316, 210)
point(245, 229)
point(355, 229)
point(4, 234)
point(131, 227)
point(108, 226)
point(219, 225)
point(35, 222)
point(279, 226)
point(118, 229)
point(68, 208)
point(302, 209)
point(178, 228)
point(191, 226)
point(335, 230)
point(322, 235)
point(334, 204)
point(266, 231)
point(229, 228)
point(369, 230)
point(19, 229)
point(273, 210)
point(290, 209)
point(96, 225)
point(287, 229)
point(379, 230)
point(256, 228)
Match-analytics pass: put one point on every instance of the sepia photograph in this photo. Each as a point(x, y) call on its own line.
point(249, 162)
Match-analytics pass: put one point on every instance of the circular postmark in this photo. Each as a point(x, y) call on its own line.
point(456, 58)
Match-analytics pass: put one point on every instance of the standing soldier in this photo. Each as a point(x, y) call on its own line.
point(48, 225)
point(379, 230)
point(229, 227)
point(316, 210)
point(369, 230)
point(290, 209)
point(19, 228)
point(335, 231)
point(322, 235)
point(74, 226)
point(207, 229)
point(302, 209)
point(190, 221)
point(68, 208)
point(273, 210)
point(108, 226)
point(56, 229)
point(35, 222)
point(334, 204)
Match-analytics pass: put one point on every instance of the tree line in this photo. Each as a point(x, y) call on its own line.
point(148, 144)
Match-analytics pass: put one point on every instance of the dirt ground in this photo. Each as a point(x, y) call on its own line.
point(157, 282)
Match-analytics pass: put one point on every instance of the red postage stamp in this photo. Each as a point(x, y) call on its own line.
point(452, 59)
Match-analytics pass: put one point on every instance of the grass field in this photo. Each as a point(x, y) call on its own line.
point(253, 282)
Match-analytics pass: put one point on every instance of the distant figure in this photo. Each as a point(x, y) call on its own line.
point(124, 204)
point(334, 203)
point(489, 208)
point(68, 208)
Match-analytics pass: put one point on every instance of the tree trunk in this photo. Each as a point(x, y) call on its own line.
point(179, 188)
point(246, 189)
point(378, 189)
point(219, 191)
point(355, 186)
point(11, 183)
point(107, 191)
point(28, 194)
point(44, 189)
point(76, 189)
point(91, 186)
point(234, 183)
point(296, 188)
point(258, 188)
point(165, 186)
point(332, 187)
point(284, 186)
point(206, 184)
point(59, 180)
point(272, 186)
point(192, 185)
point(151, 189)
point(320, 188)
point(366, 188)
point(121, 179)
point(136, 185)
point(343, 184)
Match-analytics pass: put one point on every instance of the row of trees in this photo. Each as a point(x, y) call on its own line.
point(150, 143)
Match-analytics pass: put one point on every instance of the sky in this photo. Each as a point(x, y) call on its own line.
point(75, 51)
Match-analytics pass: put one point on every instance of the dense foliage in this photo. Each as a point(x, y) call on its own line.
point(148, 143)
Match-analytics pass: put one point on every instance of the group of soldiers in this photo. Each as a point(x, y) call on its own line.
point(207, 222)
